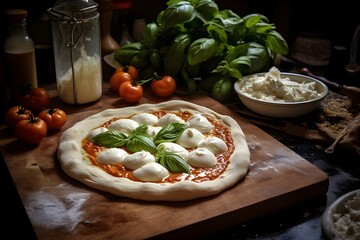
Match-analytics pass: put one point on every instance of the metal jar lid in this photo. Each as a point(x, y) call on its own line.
point(68, 10)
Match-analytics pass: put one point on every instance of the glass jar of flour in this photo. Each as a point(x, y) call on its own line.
point(77, 50)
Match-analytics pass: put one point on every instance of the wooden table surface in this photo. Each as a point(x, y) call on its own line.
point(60, 207)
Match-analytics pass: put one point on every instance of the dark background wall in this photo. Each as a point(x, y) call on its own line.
point(334, 21)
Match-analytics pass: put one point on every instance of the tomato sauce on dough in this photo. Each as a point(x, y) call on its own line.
point(197, 174)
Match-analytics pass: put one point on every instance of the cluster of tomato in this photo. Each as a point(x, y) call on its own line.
point(125, 81)
point(33, 117)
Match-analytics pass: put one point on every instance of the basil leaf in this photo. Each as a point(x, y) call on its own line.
point(252, 20)
point(223, 89)
point(140, 130)
point(276, 43)
point(141, 142)
point(110, 139)
point(175, 55)
point(240, 62)
point(256, 16)
point(174, 163)
point(207, 9)
point(217, 33)
point(227, 19)
point(150, 33)
point(234, 53)
point(259, 57)
point(201, 50)
point(178, 13)
point(169, 133)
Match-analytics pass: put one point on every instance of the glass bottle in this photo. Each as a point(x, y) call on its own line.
point(77, 50)
point(20, 54)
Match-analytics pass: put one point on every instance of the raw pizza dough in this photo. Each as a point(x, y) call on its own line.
point(74, 162)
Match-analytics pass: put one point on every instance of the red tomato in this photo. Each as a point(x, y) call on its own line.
point(14, 114)
point(163, 87)
point(130, 70)
point(36, 99)
point(131, 92)
point(31, 131)
point(117, 79)
point(54, 118)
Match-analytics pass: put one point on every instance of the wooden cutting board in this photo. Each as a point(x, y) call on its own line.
point(60, 207)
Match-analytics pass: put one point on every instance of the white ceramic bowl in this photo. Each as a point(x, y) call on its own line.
point(340, 207)
point(282, 109)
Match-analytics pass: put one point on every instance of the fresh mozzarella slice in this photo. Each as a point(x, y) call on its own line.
point(201, 157)
point(112, 156)
point(190, 138)
point(200, 122)
point(145, 118)
point(169, 118)
point(152, 131)
point(174, 148)
point(214, 144)
point(95, 132)
point(138, 159)
point(123, 125)
point(151, 172)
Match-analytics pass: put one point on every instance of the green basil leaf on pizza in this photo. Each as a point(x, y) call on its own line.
point(169, 133)
point(110, 139)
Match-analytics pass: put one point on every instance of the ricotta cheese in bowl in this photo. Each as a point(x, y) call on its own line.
point(341, 220)
point(273, 87)
point(281, 95)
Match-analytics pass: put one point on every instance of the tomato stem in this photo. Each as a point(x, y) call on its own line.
point(51, 111)
point(126, 68)
point(135, 83)
point(155, 76)
point(21, 110)
point(33, 118)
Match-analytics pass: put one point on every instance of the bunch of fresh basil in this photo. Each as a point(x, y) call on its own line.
point(203, 47)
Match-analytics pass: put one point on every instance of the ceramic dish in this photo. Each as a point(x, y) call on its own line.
point(345, 209)
point(278, 109)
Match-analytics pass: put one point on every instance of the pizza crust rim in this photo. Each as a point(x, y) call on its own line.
point(71, 158)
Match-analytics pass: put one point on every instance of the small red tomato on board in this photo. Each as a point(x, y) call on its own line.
point(54, 118)
point(163, 87)
point(36, 99)
point(31, 131)
point(14, 114)
point(131, 92)
point(134, 73)
point(117, 79)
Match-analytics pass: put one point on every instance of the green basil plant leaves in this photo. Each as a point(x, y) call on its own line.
point(195, 39)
